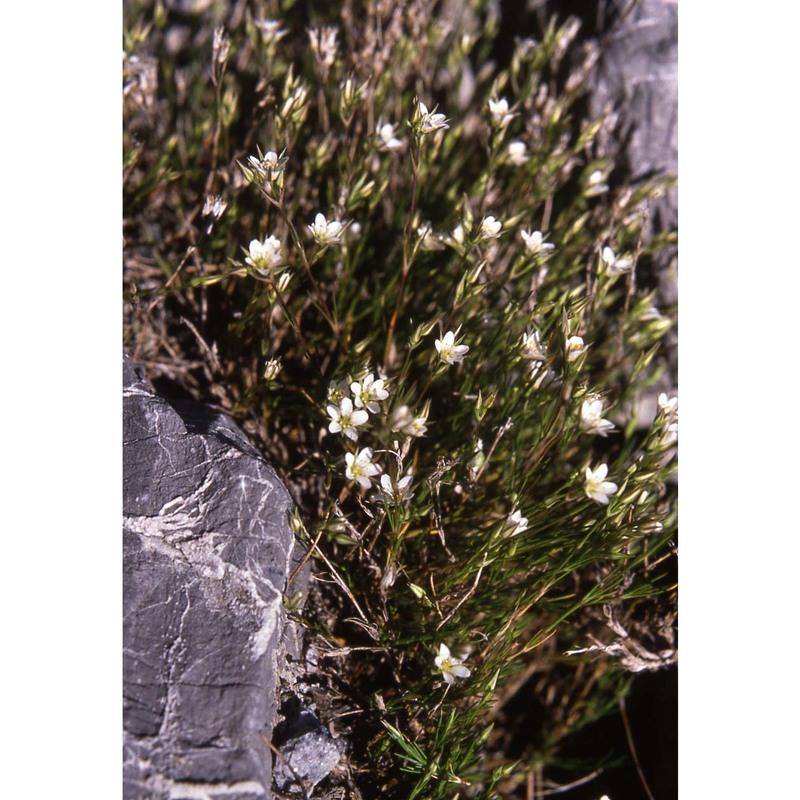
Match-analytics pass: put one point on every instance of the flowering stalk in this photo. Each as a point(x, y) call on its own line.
point(319, 299)
point(219, 63)
point(407, 253)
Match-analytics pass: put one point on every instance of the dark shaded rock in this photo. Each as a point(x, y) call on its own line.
point(207, 553)
point(308, 752)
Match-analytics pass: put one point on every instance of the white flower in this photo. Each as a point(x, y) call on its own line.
point(669, 405)
point(273, 162)
point(475, 464)
point(337, 390)
point(345, 419)
point(450, 666)
point(360, 467)
point(387, 137)
point(403, 421)
point(575, 348)
point(325, 232)
point(500, 113)
point(490, 228)
point(265, 168)
point(265, 256)
point(417, 427)
point(535, 244)
point(428, 239)
point(459, 234)
point(531, 347)
point(517, 522)
point(669, 408)
point(323, 45)
point(517, 153)
point(670, 435)
point(592, 418)
point(526, 46)
point(540, 376)
point(597, 487)
point(213, 206)
point(270, 30)
point(616, 266)
point(368, 392)
point(272, 369)
point(449, 351)
point(596, 184)
point(428, 122)
point(395, 493)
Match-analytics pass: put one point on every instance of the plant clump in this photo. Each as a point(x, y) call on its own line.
point(400, 263)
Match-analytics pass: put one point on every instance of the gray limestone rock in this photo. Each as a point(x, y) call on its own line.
point(637, 76)
point(207, 551)
point(308, 752)
point(311, 756)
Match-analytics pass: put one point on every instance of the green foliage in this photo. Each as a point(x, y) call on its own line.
point(277, 131)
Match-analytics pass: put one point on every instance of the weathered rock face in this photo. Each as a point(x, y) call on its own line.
point(638, 76)
point(207, 554)
point(308, 751)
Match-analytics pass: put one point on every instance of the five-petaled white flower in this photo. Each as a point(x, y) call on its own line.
point(387, 137)
point(345, 419)
point(395, 493)
point(265, 256)
point(592, 417)
point(501, 116)
point(450, 666)
point(575, 348)
point(429, 122)
point(517, 153)
point(403, 421)
point(449, 351)
point(361, 468)
point(325, 232)
point(531, 348)
point(490, 228)
point(597, 487)
point(616, 266)
point(368, 393)
point(535, 244)
point(516, 522)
